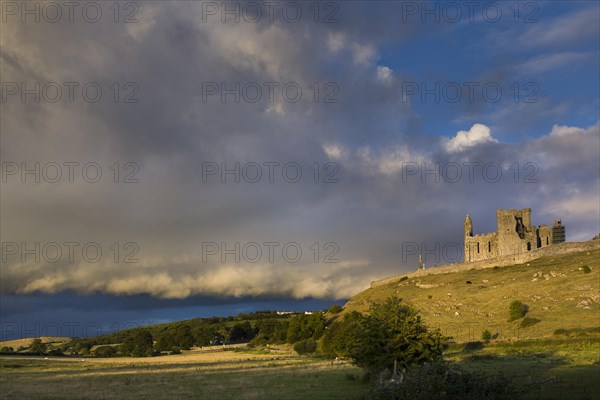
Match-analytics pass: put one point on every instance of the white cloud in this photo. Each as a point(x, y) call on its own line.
point(552, 61)
point(387, 162)
point(564, 131)
point(333, 151)
point(363, 54)
point(478, 134)
point(336, 42)
point(385, 75)
point(145, 22)
point(336, 281)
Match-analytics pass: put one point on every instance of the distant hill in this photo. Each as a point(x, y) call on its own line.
point(26, 342)
point(556, 289)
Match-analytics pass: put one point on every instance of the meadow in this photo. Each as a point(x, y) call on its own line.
point(550, 368)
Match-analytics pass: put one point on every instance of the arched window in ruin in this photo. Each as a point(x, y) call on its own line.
point(477, 247)
point(489, 247)
point(528, 246)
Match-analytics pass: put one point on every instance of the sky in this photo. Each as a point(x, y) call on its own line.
point(168, 160)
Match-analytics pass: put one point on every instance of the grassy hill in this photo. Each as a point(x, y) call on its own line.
point(555, 289)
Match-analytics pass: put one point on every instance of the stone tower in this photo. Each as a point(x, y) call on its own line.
point(468, 234)
point(468, 226)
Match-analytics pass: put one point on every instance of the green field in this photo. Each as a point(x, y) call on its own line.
point(561, 368)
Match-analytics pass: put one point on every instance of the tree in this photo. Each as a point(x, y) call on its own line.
point(37, 347)
point(517, 310)
point(242, 332)
point(486, 335)
point(341, 336)
point(138, 343)
point(183, 337)
point(391, 334)
point(304, 327)
point(335, 309)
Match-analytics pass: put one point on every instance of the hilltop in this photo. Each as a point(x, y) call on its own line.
point(556, 289)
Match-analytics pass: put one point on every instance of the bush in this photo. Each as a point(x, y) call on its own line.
point(486, 335)
point(56, 353)
point(305, 347)
point(528, 321)
point(586, 269)
point(404, 278)
point(335, 309)
point(104, 351)
point(443, 381)
point(38, 347)
point(517, 310)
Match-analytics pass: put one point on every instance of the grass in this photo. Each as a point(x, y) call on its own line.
point(192, 375)
point(548, 368)
point(464, 310)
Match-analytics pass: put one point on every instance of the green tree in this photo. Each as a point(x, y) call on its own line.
point(137, 343)
point(37, 347)
point(183, 337)
point(517, 310)
point(342, 335)
point(394, 333)
point(307, 326)
point(335, 309)
point(486, 335)
point(242, 332)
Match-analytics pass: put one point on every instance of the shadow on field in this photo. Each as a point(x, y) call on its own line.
point(539, 373)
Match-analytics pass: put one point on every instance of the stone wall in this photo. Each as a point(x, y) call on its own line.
point(480, 247)
point(519, 258)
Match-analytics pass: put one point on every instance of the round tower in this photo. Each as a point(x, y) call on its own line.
point(468, 226)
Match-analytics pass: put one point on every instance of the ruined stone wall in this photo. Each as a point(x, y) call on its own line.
point(514, 233)
point(544, 236)
point(519, 258)
point(481, 247)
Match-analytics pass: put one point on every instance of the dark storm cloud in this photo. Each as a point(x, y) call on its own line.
point(372, 134)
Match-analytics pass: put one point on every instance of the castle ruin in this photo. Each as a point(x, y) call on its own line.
point(514, 235)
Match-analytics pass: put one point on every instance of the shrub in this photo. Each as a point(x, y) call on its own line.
point(335, 309)
point(104, 351)
point(517, 310)
point(586, 269)
point(429, 296)
point(404, 278)
point(56, 352)
point(305, 346)
point(486, 335)
point(38, 347)
point(528, 321)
